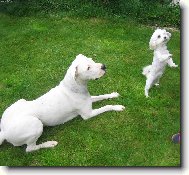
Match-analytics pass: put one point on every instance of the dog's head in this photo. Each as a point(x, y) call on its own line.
point(84, 68)
point(159, 38)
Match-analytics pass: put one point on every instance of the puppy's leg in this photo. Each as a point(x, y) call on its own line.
point(149, 83)
point(171, 63)
point(106, 108)
point(105, 96)
point(157, 82)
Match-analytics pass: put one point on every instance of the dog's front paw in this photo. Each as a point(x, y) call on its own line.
point(174, 65)
point(114, 95)
point(118, 108)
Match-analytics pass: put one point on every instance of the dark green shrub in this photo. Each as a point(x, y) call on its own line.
point(150, 12)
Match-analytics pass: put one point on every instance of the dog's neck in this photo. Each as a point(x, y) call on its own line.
point(75, 84)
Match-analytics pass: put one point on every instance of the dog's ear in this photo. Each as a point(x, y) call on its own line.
point(74, 72)
point(152, 44)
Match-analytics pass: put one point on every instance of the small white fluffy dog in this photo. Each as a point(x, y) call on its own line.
point(22, 122)
point(162, 57)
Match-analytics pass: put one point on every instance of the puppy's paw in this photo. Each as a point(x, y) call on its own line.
point(146, 94)
point(118, 107)
point(157, 84)
point(114, 95)
point(174, 65)
point(170, 55)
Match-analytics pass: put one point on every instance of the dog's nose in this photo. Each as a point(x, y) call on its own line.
point(103, 67)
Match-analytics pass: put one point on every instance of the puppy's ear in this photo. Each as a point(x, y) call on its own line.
point(152, 44)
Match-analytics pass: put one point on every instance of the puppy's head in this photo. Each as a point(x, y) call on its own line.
point(159, 38)
point(84, 68)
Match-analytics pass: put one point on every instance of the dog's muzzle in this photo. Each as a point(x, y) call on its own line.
point(103, 67)
point(166, 39)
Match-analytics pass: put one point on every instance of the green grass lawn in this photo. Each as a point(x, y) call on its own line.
point(35, 53)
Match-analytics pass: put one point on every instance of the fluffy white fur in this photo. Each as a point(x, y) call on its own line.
point(22, 122)
point(162, 57)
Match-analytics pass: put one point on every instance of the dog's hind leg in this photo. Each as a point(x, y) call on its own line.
point(34, 147)
point(26, 130)
point(105, 96)
point(149, 84)
point(34, 133)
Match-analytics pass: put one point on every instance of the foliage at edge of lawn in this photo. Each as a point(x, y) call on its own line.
point(143, 11)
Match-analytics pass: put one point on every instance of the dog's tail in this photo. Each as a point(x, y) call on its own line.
point(146, 70)
point(2, 138)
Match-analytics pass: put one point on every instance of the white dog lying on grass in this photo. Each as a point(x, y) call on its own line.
point(22, 123)
point(162, 57)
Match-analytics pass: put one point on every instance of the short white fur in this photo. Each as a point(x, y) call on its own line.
point(23, 122)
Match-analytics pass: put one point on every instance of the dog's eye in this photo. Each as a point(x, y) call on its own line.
point(88, 67)
point(159, 36)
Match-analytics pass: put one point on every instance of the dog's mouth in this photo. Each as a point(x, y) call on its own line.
point(104, 72)
point(165, 41)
